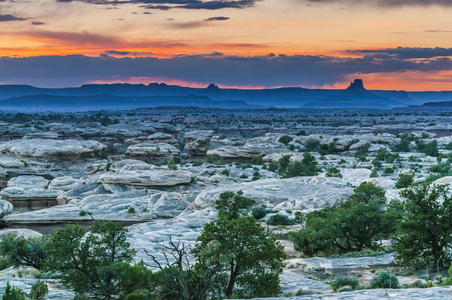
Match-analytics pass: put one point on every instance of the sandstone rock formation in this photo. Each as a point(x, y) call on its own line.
point(147, 178)
point(197, 142)
point(52, 149)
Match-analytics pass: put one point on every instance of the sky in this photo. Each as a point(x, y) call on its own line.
point(390, 44)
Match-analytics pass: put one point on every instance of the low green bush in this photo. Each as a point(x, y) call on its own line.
point(280, 220)
point(341, 282)
point(259, 212)
point(384, 280)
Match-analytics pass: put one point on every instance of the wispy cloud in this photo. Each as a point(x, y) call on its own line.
point(170, 4)
point(216, 19)
point(404, 52)
point(9, 18)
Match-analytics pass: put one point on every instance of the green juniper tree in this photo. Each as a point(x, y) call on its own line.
point(424, 233)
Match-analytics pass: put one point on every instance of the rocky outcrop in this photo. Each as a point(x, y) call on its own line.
point(29, 187)
point(197, 142)
point(52, 215)
point(29, 182)
point(65, 150)
point(253, 147)
point(147, 178)
point(5, 208)
point(152, 151)
point(20, 232)
point(435, 293)
point(20, 194)
point(341, 263)
point(155, 138)
point(300, 193)
point(64, 183)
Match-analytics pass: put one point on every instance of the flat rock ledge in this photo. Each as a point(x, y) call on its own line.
point(147, 178)
point(342, 263)
point(436, 293)
point(64, 150)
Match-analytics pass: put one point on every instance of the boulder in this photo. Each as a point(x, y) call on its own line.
point(52, 149)
point(197, 142)
point(28, 182)
point(18, 193)
point(168, 204)
point(250, 149)
point(152, 150)
point(129, 165)
point(94, 168)
point(5, 208)
point(117, 207)
point(64, 183)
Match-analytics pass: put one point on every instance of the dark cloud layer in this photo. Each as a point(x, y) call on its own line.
point(8, 18)
point(170, 4)
point(405, 52)
point(268, 70)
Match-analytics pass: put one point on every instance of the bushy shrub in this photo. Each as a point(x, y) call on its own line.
point(285, 139)
point(364, 219)
point(301, 132)
point(257, 160)
point(384, 280)
point(334, 172)
point(39, 290)
point(214, 159)
point(259, 212)
point(13, 293)
point(139, 295)
point(280, 220)
point(389, 170)
point(430, 149)
point(404, 180)
point(341, 281)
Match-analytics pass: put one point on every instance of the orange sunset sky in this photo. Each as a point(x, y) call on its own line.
point(402, 45)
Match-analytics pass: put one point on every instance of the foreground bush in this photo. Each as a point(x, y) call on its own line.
point(384, 280)
point(351, 225)
point(344, 281)
point(280, 220)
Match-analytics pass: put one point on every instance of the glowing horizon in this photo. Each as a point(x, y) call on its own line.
point(400, 45)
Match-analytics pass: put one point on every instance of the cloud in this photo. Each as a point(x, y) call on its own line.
point(79, 38)
point(404, 52)
point(216, 19)
point(268, 70)
point(196, 24)
point(438, 31)
point(8, 18)
point(86, 39)
point(389, 3)
point(170, 4)
point(37, 23)
point(121, 53)
point(187, 25)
